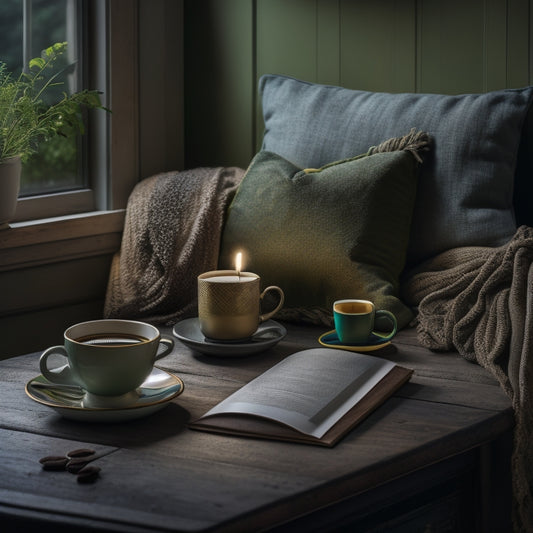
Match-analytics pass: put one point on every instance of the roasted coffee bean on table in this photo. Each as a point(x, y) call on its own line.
point(80, 452)
point(88, 474)
point(54, 462)
point(75, 462)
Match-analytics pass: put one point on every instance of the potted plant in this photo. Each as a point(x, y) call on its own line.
point(26, 120)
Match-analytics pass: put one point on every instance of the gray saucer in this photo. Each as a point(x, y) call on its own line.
point(268, 334)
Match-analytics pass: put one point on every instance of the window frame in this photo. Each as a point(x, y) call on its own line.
point(112, 37)
point(152, 103)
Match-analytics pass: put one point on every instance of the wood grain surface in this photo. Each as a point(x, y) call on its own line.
point(158, 475)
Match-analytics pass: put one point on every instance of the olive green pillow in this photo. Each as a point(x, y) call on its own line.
point(340, 231)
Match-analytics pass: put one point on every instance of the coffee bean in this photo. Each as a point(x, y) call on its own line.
point(54, 462)
point(76, 464)
point(80, 452)
point(51, 458)
point(89, 474)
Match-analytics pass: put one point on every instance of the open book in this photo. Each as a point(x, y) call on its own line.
point(314, 396)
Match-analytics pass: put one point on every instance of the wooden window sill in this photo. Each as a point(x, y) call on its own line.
point(38, 242)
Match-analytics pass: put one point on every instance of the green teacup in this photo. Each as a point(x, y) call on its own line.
point(355, 321)
point(107, 357)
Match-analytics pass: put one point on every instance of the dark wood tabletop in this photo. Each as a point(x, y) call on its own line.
point(426, 455)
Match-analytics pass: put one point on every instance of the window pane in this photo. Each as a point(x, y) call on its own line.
point(11, 34)
point(58, 164)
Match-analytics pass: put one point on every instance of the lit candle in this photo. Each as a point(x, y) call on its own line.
point(238, 263)
point(230, 276)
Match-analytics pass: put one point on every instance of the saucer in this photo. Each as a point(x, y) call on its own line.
point(188, 332)
point(157, 390)
point(331, 340)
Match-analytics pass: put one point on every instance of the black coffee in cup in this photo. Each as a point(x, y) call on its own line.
point(111, 339)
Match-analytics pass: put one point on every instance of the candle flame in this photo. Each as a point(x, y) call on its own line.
point(238, 263)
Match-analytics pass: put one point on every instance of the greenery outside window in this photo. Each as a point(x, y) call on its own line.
point(117, 45)
point(60, 178)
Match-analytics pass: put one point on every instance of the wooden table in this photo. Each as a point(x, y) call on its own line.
point(436, 454)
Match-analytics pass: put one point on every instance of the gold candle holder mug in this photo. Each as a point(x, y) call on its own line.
point(229, 304)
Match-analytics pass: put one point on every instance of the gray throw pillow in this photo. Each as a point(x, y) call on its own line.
point(465, 194)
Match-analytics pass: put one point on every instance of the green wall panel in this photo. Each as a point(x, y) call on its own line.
point(377, 45)
point(219, 88)
point(519, 41)
point(495, 46)
point(328, 67)
point(286, 38)
point(473, 46)
point(452, 47)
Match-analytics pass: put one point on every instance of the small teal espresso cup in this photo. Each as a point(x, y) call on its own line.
point(355, 319)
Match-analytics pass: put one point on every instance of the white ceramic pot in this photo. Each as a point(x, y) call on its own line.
point(10, 170)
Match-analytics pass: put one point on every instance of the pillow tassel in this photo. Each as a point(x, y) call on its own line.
point(414, 142)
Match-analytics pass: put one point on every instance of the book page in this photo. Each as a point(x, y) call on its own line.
point(309, 390)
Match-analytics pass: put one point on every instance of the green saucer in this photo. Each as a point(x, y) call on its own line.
point(330, 339)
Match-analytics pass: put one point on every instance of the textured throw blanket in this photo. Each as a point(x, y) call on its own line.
point(171, 235)
point(479, 302)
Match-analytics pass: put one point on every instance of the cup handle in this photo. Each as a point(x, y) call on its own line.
point(61, 374)
point(392, 318)
point(164, 348)
point(270, 314)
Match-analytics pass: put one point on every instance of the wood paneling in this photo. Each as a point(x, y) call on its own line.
point(124, 102)
point(448, 47)
point(219, 89)
point(287, 38)
point(450, 58)
point(160, 86)
point(58, 284)
point(519, 37)
point(37, 329)
point(52, 275)
point(474, 46)
point(328, 67)
point(38, 304)
point(377, 50)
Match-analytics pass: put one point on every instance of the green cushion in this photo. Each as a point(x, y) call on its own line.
point(340, 231)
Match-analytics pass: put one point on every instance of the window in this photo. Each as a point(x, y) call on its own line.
point(58, 179)
point(131, 50)
point(136, 59)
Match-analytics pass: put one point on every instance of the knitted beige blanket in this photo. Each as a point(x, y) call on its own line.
point(479, 302)
point(171, 235)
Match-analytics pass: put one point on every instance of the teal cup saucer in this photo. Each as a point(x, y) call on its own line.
point(330, 339)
